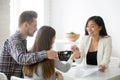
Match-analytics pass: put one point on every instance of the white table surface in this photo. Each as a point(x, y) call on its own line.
point(112, 73)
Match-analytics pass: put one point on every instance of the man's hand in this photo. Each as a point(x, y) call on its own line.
point(51, 54)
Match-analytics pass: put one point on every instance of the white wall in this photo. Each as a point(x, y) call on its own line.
point(4, 21)
point(71, 15)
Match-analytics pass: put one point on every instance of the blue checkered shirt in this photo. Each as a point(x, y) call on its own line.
point(14, 55)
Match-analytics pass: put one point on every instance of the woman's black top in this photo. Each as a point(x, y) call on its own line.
point(92, 58)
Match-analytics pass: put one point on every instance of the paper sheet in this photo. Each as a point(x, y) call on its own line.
point(82, 72)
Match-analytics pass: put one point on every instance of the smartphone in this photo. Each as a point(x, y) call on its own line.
point(64, 55)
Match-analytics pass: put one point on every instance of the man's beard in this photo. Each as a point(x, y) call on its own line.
point(29, 34)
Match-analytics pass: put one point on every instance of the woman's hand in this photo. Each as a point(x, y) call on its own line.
point(59, 76)
point(74, 48)
point(76, 52)
point(102, 68)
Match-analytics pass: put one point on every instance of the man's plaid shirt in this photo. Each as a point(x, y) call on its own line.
point(14, 55)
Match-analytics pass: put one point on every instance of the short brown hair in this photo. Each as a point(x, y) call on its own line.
point(27, 16)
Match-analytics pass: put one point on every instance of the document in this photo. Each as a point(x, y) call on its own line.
point(82, 72)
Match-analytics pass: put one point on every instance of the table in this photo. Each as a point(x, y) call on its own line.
point(112, 73)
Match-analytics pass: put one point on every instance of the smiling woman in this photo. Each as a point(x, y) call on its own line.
point(18, 6)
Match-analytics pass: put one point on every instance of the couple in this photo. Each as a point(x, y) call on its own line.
point(95, 49)
point(15, 57)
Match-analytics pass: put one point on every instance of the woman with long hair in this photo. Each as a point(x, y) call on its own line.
point(45, 70)
point(96, 45)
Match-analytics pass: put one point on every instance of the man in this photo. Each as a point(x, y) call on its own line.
point(14, 53)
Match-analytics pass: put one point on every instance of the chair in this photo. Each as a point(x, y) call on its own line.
point(3, 76)
point(17, 78)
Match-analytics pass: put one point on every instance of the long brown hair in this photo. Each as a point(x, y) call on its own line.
point(43, 41)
